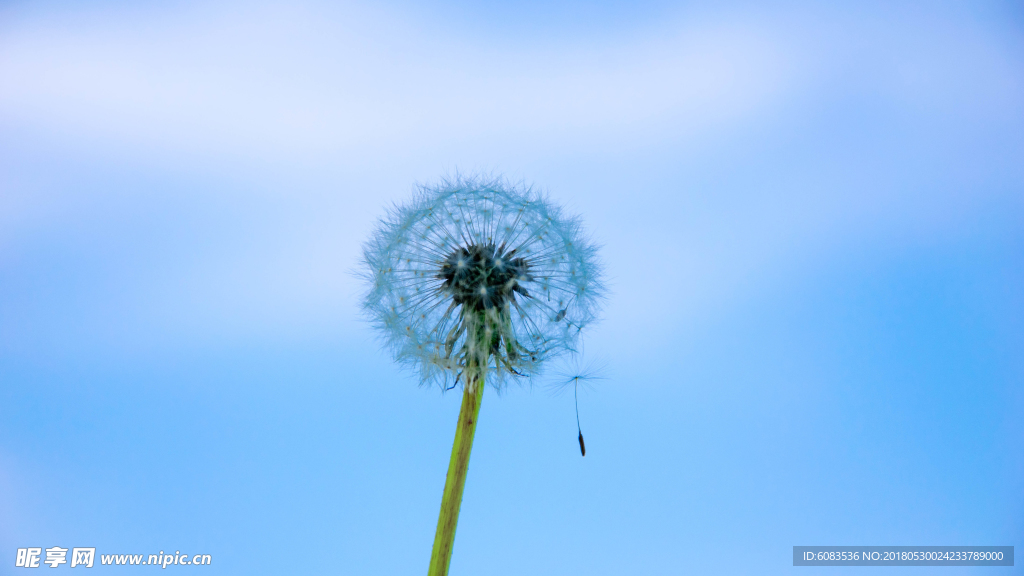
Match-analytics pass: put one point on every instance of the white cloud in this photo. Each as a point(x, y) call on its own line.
point(277, 83)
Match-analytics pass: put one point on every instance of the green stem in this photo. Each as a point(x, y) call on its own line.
point(444, 538)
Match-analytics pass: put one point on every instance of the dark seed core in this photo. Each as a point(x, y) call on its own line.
point(482, 276)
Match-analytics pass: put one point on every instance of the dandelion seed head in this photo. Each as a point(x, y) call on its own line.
point(477, 277)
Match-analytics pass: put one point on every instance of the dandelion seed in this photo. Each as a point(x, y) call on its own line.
point(462, 285)
point(577, 375)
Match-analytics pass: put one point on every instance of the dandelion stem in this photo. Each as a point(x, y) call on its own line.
point(451, 501)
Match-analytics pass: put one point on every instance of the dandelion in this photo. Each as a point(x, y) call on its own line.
point(477, 281)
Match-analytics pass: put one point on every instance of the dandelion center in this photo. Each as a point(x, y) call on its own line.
point(481, 276)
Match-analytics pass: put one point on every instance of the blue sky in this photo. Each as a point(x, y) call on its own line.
point(812, 221)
